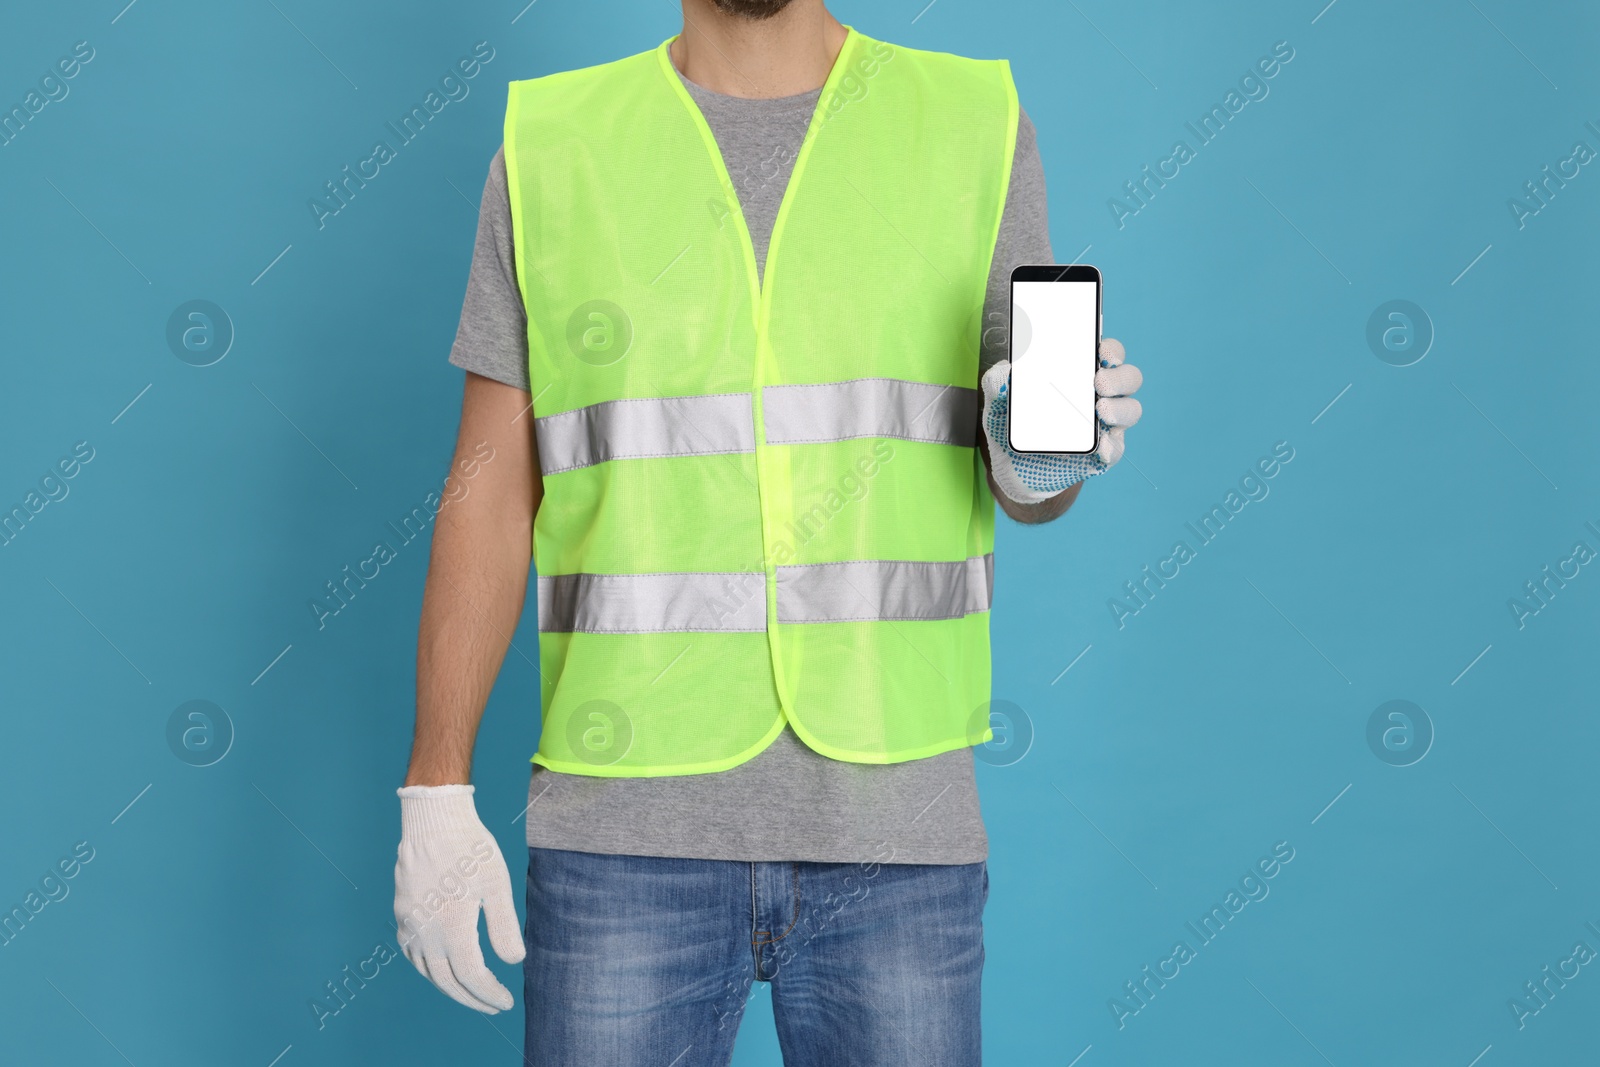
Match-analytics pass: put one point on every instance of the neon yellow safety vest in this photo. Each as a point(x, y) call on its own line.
point(763, 501)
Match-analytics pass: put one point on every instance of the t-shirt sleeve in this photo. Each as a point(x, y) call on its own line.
point(1024, 238)
point(492, 336)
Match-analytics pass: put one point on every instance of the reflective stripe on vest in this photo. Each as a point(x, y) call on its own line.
point(651, 603)
point(856, 591)
point(722, 423)
point(638, 429)
point(874, 590)
point(870, 407)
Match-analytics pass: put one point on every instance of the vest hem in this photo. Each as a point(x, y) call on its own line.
point(806, 737)
point(933, 748)
point(670, 771)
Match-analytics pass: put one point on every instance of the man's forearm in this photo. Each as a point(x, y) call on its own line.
point(470, 606)
point(477, 578)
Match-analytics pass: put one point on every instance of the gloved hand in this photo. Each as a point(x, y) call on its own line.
point(1029, 479)
point(448, 866)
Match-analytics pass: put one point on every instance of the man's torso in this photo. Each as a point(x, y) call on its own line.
point(788, 802)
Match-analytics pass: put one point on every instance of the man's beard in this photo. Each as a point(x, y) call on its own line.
point(751, 9)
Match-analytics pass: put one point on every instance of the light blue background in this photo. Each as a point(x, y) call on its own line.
point(1225, 717)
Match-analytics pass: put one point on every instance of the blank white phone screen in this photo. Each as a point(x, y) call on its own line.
point(1054, 328)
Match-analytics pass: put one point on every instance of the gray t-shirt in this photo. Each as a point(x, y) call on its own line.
point(788, 802)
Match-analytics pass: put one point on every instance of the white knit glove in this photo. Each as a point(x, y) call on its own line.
point(1029, 479)
point(448, 866)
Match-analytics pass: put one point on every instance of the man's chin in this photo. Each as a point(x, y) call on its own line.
point(751, 9)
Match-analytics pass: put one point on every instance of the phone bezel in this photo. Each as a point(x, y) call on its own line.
point(1057, 272)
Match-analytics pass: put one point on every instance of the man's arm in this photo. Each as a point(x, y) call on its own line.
point(477, 577)
point(449, 866)
point(1023, 237)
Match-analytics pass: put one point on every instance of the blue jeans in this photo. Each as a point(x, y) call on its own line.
point(636, 960)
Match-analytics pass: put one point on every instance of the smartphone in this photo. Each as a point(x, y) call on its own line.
point(1055, 351)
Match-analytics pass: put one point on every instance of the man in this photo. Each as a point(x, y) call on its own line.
point(739, 286)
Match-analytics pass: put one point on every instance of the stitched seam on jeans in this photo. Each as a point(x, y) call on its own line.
point(754, 933)
point(793, 921)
